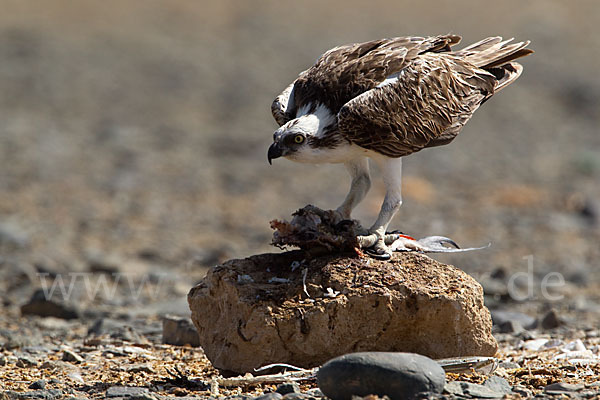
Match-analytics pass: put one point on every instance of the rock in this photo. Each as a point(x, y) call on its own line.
point(116, 329)
point(522, 391)
point(508, 365)
point(498, 384)
point(510, 327)
point(71, 356)
point(296, 396)
point(410, 303)
point(39, 384)
point(179, 331)
point(315, 392)
point(472, 390)
point(26, 362)
point(551, 320)
point(396, 375)
point(46, 394)
point(290, 387)
point(49, 306)
point(140, 368)
point(269, 396)
point(126, 391)
point(500, 317)
point(562, 387)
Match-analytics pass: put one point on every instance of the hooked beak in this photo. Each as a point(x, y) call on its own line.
point(274, 152)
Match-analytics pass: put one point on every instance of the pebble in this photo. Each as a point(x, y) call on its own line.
point(26, 362)
point(315, 392)
point(514, 327)
point(39, 384)
point(551, 320)
point(561, 387)
point(508, 365)
point(126, 391)
point(288, 387)
point(469, 389)
point(269, 396)
point(498, 384)
point(179, 331)
point(116, 329)
point(48, 307)
point(296, 396)
point(46, 394)
point(396, 375)
point(500, 316)
point(71, 356)
point(522, 391)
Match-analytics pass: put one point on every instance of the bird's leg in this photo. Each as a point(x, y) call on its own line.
point(361, 182)
point(391, 169)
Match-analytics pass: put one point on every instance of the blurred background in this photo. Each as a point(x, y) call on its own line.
point(133, 136)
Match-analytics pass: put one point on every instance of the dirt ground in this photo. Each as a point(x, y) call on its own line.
point(134, 138)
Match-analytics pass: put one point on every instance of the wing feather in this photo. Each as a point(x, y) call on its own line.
point(428, 105)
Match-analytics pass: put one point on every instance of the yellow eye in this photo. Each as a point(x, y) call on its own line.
point(299, 139)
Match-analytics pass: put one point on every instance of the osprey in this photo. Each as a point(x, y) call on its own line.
point(383, 100)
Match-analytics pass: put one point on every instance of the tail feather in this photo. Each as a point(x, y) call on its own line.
point(492, 52)
point(506, 74)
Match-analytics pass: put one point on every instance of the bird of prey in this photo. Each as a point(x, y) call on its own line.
point(385, 99)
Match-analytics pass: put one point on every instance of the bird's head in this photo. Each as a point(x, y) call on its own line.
point(291, 139)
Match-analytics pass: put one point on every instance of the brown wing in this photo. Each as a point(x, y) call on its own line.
point(344, 72)
point(282, 106)
point(432, 99)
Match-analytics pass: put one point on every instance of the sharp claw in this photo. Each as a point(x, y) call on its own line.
point(372, 252)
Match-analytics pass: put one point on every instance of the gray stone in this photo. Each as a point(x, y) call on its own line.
point(179, 331)
point(510, 327)
point(498, 384)
point(71, 356)
point(51, 306)
point(315, 392)
point(551, 320)
point(296, 396)
point(288, 387)
point(508, 365)
point(47, 394)
point(500, 316)
point(562, 387)
point(522, 391)
point(116, 329)
point(39, 384)
point(469, 389)
point(269, 396)
point(454, 388)
point(126, 391)
point(26, 362)
point(396, 375)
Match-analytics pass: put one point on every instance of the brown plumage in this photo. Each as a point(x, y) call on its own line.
point(436, 92)
point(382, 100)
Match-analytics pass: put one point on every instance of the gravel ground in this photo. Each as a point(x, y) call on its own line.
point(133, 157)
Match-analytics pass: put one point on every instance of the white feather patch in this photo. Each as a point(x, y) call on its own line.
point(391, 79)
point(314, 122)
